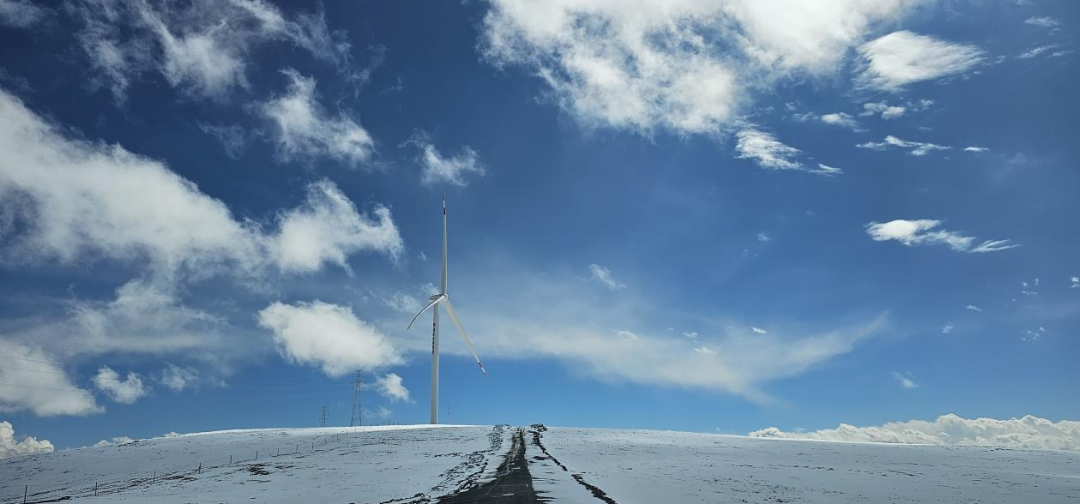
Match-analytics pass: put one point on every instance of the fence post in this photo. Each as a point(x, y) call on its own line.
point(95, 489)
point(230, 459)
point(279, 452)
point(256, 454)
point(26, 489)
point(200, 468)
point(154, 479)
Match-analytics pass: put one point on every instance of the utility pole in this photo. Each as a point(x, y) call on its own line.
point(357, 416)
point(322, 416)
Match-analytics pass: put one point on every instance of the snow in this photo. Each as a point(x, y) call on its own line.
point(364, 464)
point(652, 466)
point(410, 463)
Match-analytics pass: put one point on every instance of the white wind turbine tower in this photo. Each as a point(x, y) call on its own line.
point(443, 299)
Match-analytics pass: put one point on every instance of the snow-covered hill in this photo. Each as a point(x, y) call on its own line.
point(423, 463)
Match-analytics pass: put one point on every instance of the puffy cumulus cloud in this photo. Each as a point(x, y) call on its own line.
point(1029, 432)
point(841, 119)
point(78, 197)
point(973, 308)
point(37, 383)
point(923, 232)
point(202, 47)
point(603, 275)
point(327, 228)
point(1075, 282)
point(9, 447)
point(81, 200)
point(902, 57)
point(116, 441)
point(883, 109)
point(685, 66)
point(438, 168)
point(124, 391)
point(305, 131)
point(20, 14)
point(913, 148)
point(390, 386)
point(328, 336)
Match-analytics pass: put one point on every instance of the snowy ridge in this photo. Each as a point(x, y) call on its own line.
point(414, 464)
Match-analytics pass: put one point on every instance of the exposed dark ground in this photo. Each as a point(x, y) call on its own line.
point(512, 483)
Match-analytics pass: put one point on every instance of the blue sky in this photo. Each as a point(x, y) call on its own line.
point(712, 216)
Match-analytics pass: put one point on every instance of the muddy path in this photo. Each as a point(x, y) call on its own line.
point(512, 483)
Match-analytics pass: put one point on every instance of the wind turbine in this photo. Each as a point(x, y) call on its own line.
point(442, 299)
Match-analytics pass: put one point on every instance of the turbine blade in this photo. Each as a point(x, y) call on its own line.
point(443, 244)
point(426, 308)
point(453, 317)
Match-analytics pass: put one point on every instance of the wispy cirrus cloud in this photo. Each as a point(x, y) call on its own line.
point(913, 148)
point(202, 48)
point(901, 58)
point(604, 276)
point(1043, 21)
point(925, 232)
point(771, 154)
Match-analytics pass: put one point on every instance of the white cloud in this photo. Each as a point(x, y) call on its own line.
point(841, 119)
point(20, 14)
point(905, 380)
point(704, 351)
point(1043, 21)
point(38, 384)
point(763, 237)
point(9, 447)
point(1075, 282)
point(975, 149)
point(1036, 51)
point(883, 109)
point(692, 335)
point(1058, 54)
point(914, 148)
point(947, 328)
point(327, 228)
point(327, 335)
point(627, 335)
point(451, 170)
point(178, 378)
point(766, 150)
point(826, 170)
point(125, 391)
point(921, 232)
point(202, 47)
point(1028, 432)
point(758, 330)
point(973, 308)
point(116, 441)
point(687, 66)
point(391, 387)
point(81, 200)
point(902, 57)
point(233, 138)
point(304, 130)
point(603, 275)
